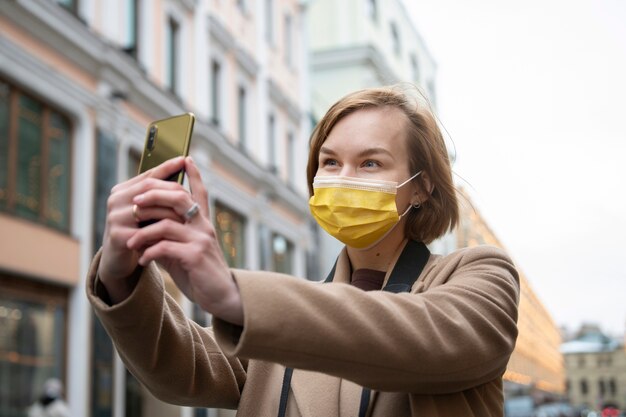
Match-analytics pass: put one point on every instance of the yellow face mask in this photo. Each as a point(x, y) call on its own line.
point(357, 211)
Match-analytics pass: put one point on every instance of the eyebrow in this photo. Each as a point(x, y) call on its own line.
point(363, 153)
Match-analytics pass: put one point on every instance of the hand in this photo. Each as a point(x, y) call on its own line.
point(118, 261)
point(189, 251)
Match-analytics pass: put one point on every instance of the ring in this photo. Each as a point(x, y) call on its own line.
point(135, 210)
point(191, 213)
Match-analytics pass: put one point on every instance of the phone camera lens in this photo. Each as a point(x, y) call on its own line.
point(151, 137)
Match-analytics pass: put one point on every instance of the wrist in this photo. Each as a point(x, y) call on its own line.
point(119, 289)
point(230, 306)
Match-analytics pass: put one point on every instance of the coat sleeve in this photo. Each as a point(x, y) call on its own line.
point(456, 335)
point(175, 358)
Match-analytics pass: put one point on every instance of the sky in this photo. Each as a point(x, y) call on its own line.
point(533, 96)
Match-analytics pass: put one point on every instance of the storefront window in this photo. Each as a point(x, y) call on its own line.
point(230, 231)
point(35, 161)
point(32, 341)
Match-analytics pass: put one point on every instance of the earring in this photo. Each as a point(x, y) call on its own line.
point(416, 205)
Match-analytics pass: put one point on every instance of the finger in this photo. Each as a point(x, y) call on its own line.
point(198, 191)
point(165, 229)
point(160, 251)
point(178, 200)
point(156, 213)
point(167, 168)
point(162, 171)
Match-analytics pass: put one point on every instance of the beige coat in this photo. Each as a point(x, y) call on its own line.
point(440, 350)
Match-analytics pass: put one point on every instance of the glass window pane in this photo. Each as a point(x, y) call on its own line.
point(106, 178)
point(230, 231)
point(32, 348)
point(134, 396)
point(4, 141)
point(29, 158)
point(215, 92)
point(282, 254)
point(242, 103)
point(58, 175)
point(102, 372)
point(102, 357)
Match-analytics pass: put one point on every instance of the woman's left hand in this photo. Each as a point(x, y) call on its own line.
point(189, 251)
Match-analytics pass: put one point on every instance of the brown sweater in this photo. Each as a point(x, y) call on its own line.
point(440, 350)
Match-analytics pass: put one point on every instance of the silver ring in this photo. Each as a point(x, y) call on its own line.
point(191, 212)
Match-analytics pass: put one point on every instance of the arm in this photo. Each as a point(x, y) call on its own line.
point(176, 359)
point(454, 336)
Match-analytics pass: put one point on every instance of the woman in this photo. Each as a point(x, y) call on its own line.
point(434, 342)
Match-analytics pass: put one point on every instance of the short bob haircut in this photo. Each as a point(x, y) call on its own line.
point(427, 153)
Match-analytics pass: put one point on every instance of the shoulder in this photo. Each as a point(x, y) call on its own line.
point(483, 262)
point(477, 253)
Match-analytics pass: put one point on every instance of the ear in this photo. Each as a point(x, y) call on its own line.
point(422, 190)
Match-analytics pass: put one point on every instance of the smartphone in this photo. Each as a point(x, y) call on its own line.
point(167, 139)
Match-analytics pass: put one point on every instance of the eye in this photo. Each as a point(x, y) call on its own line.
point(329, 162)
point(370, 163)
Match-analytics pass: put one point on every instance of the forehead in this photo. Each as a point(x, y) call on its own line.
point(371, 127)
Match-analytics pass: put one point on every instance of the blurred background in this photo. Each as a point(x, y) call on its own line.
point(531, 96)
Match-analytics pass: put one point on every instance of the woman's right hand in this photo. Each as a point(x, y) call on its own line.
point(118, 263)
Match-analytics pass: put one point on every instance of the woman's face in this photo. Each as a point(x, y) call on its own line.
point(370, 143)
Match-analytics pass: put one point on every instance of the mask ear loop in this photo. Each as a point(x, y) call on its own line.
point(410, 179)
point(415, 206)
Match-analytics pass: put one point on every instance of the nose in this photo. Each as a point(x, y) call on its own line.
point(348, 171)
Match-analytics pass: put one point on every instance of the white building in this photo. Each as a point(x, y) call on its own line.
point(79, 82)
point(357, 44)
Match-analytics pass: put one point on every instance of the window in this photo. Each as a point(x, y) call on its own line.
point(271, 143)
point(32, 340)
point(291, 154)
point(602, 387)
point(230, 228)
point(415, 69)
point(613, 387)
point(269, 21)
point(172, 55)
point(134, 396)
point(581, 362)
point(395, 39)
point(34, 159)
point(71, 5)
point(133, 28)
point(372, 9)
point(241, 4)
point(216, 74)
point(584, 388)
point(282, 254)
point(241, 105)
point(431, 93)
point(102, 355)
point(288, 40)
point(134, 159)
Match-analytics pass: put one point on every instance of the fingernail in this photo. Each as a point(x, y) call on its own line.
point(191, 160)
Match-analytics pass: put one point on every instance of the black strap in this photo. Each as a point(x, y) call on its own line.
point(284, 393)
point(409, 267)
point(365, 402)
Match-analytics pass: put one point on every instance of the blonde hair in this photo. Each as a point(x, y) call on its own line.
point(426, 151)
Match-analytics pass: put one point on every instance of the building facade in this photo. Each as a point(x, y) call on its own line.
point(536, 369)
point(79, 82)
point(595, 365)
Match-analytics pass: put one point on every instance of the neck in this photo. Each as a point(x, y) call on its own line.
point(379, 256)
